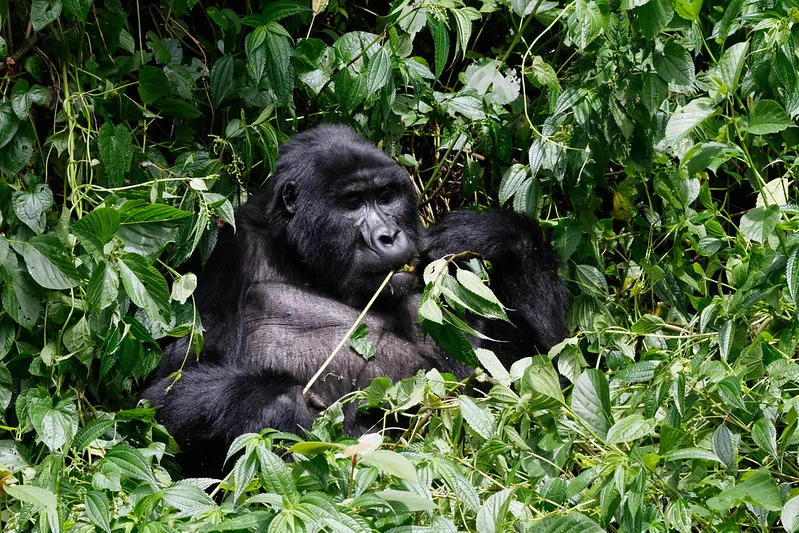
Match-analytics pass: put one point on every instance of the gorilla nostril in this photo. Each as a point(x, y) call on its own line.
point(386, 239)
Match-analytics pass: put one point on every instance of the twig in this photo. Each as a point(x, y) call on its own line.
point(19, 54)
point(349, 333)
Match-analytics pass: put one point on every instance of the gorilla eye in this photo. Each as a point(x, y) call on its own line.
point(352, 201)
point(387, 195)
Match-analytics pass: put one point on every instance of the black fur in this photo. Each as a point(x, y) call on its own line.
point(310, 250)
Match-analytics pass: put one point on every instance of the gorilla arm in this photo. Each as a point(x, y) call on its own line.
point(524, 275)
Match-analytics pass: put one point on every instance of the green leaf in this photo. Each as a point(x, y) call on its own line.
point(492, 514)
point(573, 522)
point(675, 65)
point(440, 33)
point(78, 8)
point(48, 263)
point(585, 23)
point(768, 117)
point(726, 334)
point(153, 84)
point(279, 69)
point(759, 489)
point(792, 274)
point(709, 155)
point(406, 502)
point(391, 463)
point(275, 475)
point(765, 436)
point(222, 86)
point(17, 153)
point(116, 151)
point(639, 372)
point(648, 324)
point(679, 516)
point(758, 224)
point(378, 71)
point(103, 287)
point(591, 278)
point(145, 286)
point(790, 515)
point(97, 509)
point(21, 302)
point(23, 97)
point(183, 287)
point(36, 496)
point(130, 462)
point(54, 425)
point(96, 229)
point(44, 12)
point(31, 207)
point(692, 453)
point(464, 491)
point(725, 448)
point(687, 118)
point(731, 64)
point(187, 498)
point(9, 123)
point(541, 381)
point(591, 401)
point(542, 73)
point(477, 418)
point(630, 428)
point(361, 344)
point(729, 389)
point(91, 432)
point(512, 181)
point(688, 9)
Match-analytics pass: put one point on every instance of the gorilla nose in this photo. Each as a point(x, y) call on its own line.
point(391, 243)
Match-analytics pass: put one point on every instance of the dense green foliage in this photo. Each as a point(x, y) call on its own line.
point(656, 138)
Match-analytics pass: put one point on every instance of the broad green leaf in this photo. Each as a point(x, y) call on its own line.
point(130, 462)
point(48, 263)
point(54, 425)
point(429, 310)
point(6, 389)
point(726, 335)
point(729, 389)
point(758, 224)
point(592, 279)
point(679, 516)
point(378, 71)
point(187, 498)
point(765, 436)
point(731, 64)
point(541, 381)
point(768, 117)
point(116, 151)
point(103, 287)
point(153, 84)
point(279, 68)
point(725, 448)
point(591, 401)
point(512, 180)
point(406, 502)
point(491, 516)
point(585, 23)
point(275, 475)
point(477, 418)
point(91, 432)
point(687, 118)
point(759, 489)
point(464, 491)
point(494, 367)
point(9, 123)
point(222, 86)
point(648, 324)
point(688, 9)
point(23, 97)
point(183, 287)
point(360, 342)
point(78, 8)
point(78, 336)
point(689, 453)
point(639, 372)
point(44, 12)
point(36, 496)
point(573, 522)
point(675, 65)
point(145, 286)
point(31, 207)
point(542, 73)
point(709, 155)
point(21, 302)
point(630, 428)
point(97, 509)
point(96, 229)
point(17, 153)
point(475, 285)
point(440, 33)
point(790, 515)
point(391, 463)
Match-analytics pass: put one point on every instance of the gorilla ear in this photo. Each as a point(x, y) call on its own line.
point(290, 197)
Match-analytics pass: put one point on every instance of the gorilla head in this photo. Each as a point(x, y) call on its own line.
point(348, 219)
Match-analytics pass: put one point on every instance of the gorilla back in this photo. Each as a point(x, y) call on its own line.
point(311, 248)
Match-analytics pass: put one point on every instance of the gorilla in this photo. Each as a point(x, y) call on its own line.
point(310, 250)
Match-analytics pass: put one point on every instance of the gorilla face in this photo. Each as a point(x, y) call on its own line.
point(354, 222)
